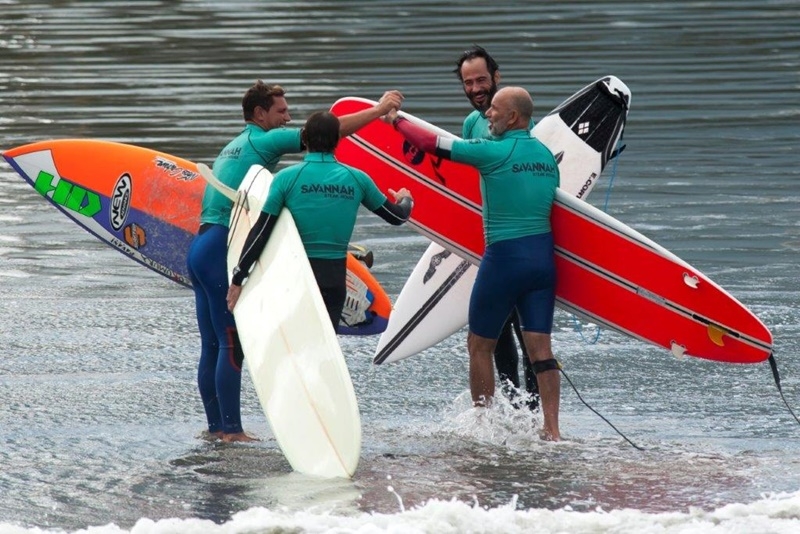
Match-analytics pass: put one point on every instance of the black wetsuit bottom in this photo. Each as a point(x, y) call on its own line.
point(331, 276)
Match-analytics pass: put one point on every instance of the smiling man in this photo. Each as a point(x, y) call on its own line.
point(480, 75)
point(519, 178)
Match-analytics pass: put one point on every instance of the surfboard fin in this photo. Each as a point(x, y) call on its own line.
point(716, 333)
point(362, 254)
point(678, 350)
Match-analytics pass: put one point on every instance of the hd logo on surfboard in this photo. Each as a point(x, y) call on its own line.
point(68, 195)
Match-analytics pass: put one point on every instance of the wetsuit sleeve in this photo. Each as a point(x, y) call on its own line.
point(423, 139)
point(287, 140)
point(254, 246)
point(395, 213)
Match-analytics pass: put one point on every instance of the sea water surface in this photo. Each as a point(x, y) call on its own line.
point(100, 415)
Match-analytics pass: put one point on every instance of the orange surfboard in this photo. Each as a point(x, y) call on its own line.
point(146, 204)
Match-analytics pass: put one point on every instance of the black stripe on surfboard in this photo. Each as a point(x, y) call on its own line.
point(423, 312)
point(667, 255)
point(414, 174)
point(660, 301)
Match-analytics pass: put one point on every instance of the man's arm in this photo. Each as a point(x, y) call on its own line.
point(351, 123)
point(253, 246)
point(396, 213)
point(423, 139)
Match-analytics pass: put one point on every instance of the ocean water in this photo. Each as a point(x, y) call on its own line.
point(101, 418)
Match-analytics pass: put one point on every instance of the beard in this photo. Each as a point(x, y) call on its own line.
point(487, 101)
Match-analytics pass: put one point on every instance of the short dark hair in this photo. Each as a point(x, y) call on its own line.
point(321, 133)
point(260, 94)
point(476, 52)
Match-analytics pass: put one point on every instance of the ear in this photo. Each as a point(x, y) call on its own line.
point(496, 77)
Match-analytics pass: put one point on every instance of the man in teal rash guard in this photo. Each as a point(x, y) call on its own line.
point(479, 75)
point(323, 196)
point(519, 178)
point(264, 140)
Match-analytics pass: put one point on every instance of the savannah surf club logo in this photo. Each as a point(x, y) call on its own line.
point(329, 190)
point(120, 202)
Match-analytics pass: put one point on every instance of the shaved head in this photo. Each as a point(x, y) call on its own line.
point(519, 100)
point(511, 109)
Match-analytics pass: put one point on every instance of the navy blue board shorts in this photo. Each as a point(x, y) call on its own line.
point(515, 272)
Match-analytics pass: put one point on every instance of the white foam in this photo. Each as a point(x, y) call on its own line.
point(779, 513)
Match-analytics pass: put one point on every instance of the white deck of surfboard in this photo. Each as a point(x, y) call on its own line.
point(434, 301)
point(290, 347)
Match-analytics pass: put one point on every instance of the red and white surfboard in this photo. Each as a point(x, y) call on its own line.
point(607, 272)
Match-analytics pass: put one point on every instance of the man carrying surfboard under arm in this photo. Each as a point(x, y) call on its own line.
point(479, 75)
point(323, 196)
point(519, 178)
point(264, 140)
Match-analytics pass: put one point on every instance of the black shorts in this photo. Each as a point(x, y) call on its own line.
point(331, 276)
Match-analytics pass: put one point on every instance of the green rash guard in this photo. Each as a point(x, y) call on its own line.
point(253, 146)
point(519, 177)
point(323, 196)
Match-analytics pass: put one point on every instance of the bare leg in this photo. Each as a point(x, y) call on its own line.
point(481, 368)
point(540, 349)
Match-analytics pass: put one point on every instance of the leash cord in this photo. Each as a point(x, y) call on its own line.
point(635, 446)
point(774, 366)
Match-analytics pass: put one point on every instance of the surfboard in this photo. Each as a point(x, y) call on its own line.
point(290, 346)
point(582, 132)
point(146, 204)
point(607, 272)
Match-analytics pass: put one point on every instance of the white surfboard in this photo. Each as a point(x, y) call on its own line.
point(582, 132)
point(290, 347)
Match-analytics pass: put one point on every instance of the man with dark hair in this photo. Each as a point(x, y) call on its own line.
point(519, 178)
point(480, 75)
point(323, 196)
point(264, 140)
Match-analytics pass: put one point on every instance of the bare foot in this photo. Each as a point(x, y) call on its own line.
point(548, 435)
point(239, 437)
point(210, 436)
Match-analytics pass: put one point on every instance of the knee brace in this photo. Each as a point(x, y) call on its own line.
point(541, 366)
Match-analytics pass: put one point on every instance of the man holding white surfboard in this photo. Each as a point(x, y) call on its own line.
point(479, 74)
point(519, 179)
point(323, 197)
point(264, 140)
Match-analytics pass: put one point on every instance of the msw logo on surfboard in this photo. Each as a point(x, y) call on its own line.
point(66, 194)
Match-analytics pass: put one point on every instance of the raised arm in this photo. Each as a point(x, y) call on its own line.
point(420, 137)
point(348, 124)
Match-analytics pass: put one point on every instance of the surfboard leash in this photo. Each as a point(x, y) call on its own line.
point(774, 366)
point(615, 156)
point(598, 414)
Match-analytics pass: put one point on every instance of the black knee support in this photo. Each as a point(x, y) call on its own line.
point(546, 365)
